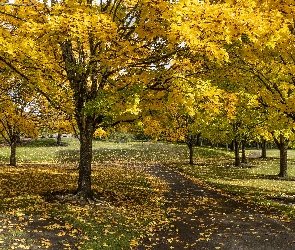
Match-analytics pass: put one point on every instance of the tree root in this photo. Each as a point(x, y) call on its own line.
point(76, 198)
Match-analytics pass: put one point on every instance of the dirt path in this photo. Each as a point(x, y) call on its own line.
point(204, 219)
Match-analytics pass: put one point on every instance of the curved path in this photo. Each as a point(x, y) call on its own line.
point(205, 219)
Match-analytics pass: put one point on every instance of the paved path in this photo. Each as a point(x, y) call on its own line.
point(204, 219)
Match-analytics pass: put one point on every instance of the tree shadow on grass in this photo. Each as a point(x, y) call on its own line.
point(274, 177)
point(147, 151)
point(47, 142)
point(113, 155)
point(67, 156)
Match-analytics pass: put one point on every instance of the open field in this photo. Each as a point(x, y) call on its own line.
point(128, 204)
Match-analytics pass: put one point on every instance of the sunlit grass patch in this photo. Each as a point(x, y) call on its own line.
point(44, 151)
point(257, 180)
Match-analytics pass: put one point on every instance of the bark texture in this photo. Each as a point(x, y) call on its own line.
point(263, 149)
point(84, 181)
point(282, 144)
point(283, 161)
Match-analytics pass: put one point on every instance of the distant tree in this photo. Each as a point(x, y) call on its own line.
point(19, 115)
point(182, 112)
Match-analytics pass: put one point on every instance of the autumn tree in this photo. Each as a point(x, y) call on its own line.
point(56, 121)
point(19, 114)
point(99, 55)
point(94, 52)
point(266, 71)
point(181, 112)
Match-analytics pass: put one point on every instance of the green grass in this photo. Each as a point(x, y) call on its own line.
point(133, 197)
point(40, 151)
point(256, 180)
point(45, 151)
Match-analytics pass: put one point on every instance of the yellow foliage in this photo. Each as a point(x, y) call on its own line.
point(100, 133)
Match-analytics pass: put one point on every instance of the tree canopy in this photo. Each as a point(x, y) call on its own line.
point(100, 61)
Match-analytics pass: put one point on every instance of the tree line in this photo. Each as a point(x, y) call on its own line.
point(172, 69)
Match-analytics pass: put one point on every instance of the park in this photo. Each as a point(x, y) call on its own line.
point(130, 206)
point(147, 124)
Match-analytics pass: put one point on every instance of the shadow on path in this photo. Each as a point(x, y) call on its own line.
point(205, 219)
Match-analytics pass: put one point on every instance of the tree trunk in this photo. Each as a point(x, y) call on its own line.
point(263, 149)
point(283, 147)
point(18, 140)
point(12, 160)
point(82, 94)
point(58, 140)
point(191, 153)
point(282, 144)
point(84, 182)
point(190, 142)
point(237, 153)
point(232, 146)
point(283, 162)
point(199, 140)
point(244, 158)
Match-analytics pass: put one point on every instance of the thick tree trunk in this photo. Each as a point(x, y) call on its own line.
point(263, 149)
point(12, 160)
point(282, 144)
point(283, 162)
point(84, 182)
point(283, 147)
point(237, 153)
point(244, 158)
point(79, 79)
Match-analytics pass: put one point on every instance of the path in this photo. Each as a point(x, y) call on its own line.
point(204, 219)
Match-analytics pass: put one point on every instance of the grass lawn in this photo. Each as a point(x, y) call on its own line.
point(130, 205)
point(256, 180)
